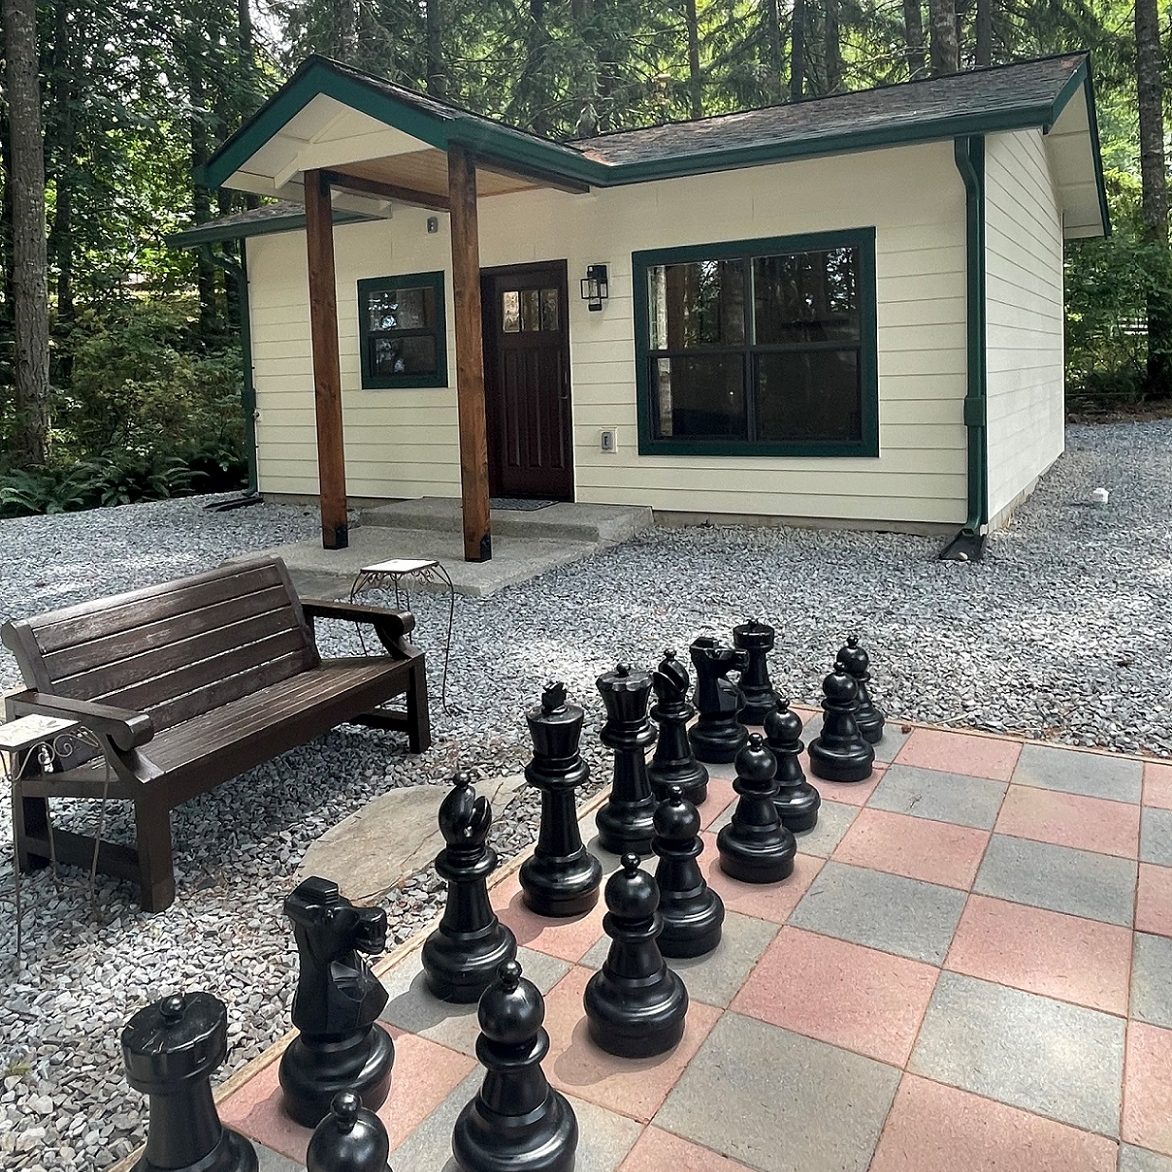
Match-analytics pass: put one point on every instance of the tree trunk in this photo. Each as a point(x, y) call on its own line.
point(945, 48)
point(1154, 179)
point(65, 93)
point(201, 198)
point(797, 55)
point(984, 38)
point(695, 78)
point(913, 35)
point(247, 45)
point(831, 47)
point(533, 75)
point(437, 78)
point(29, 252)
point(771, 28)
point(346, 20)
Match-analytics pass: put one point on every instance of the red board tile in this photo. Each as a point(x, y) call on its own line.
point(766, 901)
point(1158, 785)
point(953, 752)
point(658, 1150)
point(1153, 905)
point(1147, 1088)
point(1089, 824)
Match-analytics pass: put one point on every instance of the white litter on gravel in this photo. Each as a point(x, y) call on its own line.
point(1062, 632)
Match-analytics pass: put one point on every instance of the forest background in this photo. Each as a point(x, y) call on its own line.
point(120, 370)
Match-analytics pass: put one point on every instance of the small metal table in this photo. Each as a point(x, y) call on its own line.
point(396, 574)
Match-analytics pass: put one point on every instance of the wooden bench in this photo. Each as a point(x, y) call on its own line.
point(187, 685)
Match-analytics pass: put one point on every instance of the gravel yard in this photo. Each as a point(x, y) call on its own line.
point(1062, 632)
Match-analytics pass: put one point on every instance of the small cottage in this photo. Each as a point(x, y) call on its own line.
point(845, 311)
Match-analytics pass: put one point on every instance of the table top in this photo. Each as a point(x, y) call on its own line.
point(398, 566)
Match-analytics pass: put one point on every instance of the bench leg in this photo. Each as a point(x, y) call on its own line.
point(152, 821)
point(30, 819)
point(418, 712)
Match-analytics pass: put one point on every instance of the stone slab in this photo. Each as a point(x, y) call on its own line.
point(391, 837)
point(1094, 775)
point(1155, 836)
point(771, 1110)
point(1059, 1060)
point(1151, 980)
point(1080, 883)
point(943, 797)
point(1133, 1159)
point(888, 912)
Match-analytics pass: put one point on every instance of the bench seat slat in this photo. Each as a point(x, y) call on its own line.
point(126, 612)
point(105, 665)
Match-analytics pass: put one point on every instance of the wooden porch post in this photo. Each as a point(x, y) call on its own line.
point(327, 377)
point(469, 355)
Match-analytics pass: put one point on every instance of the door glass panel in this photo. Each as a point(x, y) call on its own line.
point(511, 311)
point(549, 310)
point(530, 309)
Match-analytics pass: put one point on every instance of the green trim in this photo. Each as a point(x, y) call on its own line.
point(379, 382)
point(970, 162)
point(215, 233)
point(861, 238)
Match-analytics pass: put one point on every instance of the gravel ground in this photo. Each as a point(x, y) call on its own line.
point(1062, 633)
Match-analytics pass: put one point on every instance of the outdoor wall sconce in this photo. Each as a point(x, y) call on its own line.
point(595, 289)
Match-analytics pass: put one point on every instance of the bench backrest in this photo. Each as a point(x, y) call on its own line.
point(176, 650)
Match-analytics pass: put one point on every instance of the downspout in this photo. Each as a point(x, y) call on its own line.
point(239, 270)
point(969, 543)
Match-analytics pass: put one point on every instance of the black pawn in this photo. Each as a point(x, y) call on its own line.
point(340, 1045)
point(562, 877)
point(171, 1049)
point(517, 1122)
point(351, 1138)
point(839, 752)
point(635, 1005)
point(674, 762)
point(626, 819)
point(755, 847)
point(858, 666)
point(756, 640)
point(717, 737)
point(692, 912)
point(797, 800)
point(461, 956)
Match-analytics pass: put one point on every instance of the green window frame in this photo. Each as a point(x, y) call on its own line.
point(747, 350)
point(369, 338)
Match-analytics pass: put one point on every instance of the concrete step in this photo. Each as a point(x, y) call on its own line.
point(596, 524)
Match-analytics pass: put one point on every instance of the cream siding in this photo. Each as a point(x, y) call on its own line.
point(402, 443)
point(1024, 299)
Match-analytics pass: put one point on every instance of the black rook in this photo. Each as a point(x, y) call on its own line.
point(756, 640)
point(171, 1049)
point(625, 820)
point(562, 877)
point(461, 956)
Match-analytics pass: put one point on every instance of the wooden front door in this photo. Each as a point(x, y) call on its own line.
point(527, 381)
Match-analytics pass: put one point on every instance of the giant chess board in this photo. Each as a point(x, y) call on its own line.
point(958, 974)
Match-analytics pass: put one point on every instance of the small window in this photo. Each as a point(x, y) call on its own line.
point(760, 347)
point(401, 331)
point(526, 311)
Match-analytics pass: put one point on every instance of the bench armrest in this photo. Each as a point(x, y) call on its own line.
point(126, 728)
point(390, 625)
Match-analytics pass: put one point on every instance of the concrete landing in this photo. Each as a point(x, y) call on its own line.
point(596, 524)
point(523, 544)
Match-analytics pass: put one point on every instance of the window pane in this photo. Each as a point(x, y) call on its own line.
point(810, 395)
point(807, 297)
point(403, 355)
point(549, 309)
point(697, 304)
point(530, 309)
point(402, 309)
point(700, 396)
point(511, 312)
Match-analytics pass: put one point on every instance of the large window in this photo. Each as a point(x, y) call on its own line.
point(760, 347)
point(401, 331)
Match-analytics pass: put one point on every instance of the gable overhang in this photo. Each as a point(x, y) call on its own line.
point(1076, 163)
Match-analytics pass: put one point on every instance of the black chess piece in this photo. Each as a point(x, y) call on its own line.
point(797, 800)
point(340, 1045)
point(756, 639)
point(674, 763)
point(839, 752)
point(635, 1005)
point(755, 847)
point(517, 1122)
point(858, 666)
point(351, 1138)
point(461, 956)
point(170, 1050)
point(692, 912)
point(561, 877)
point(716, 736)
point(626, 819)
